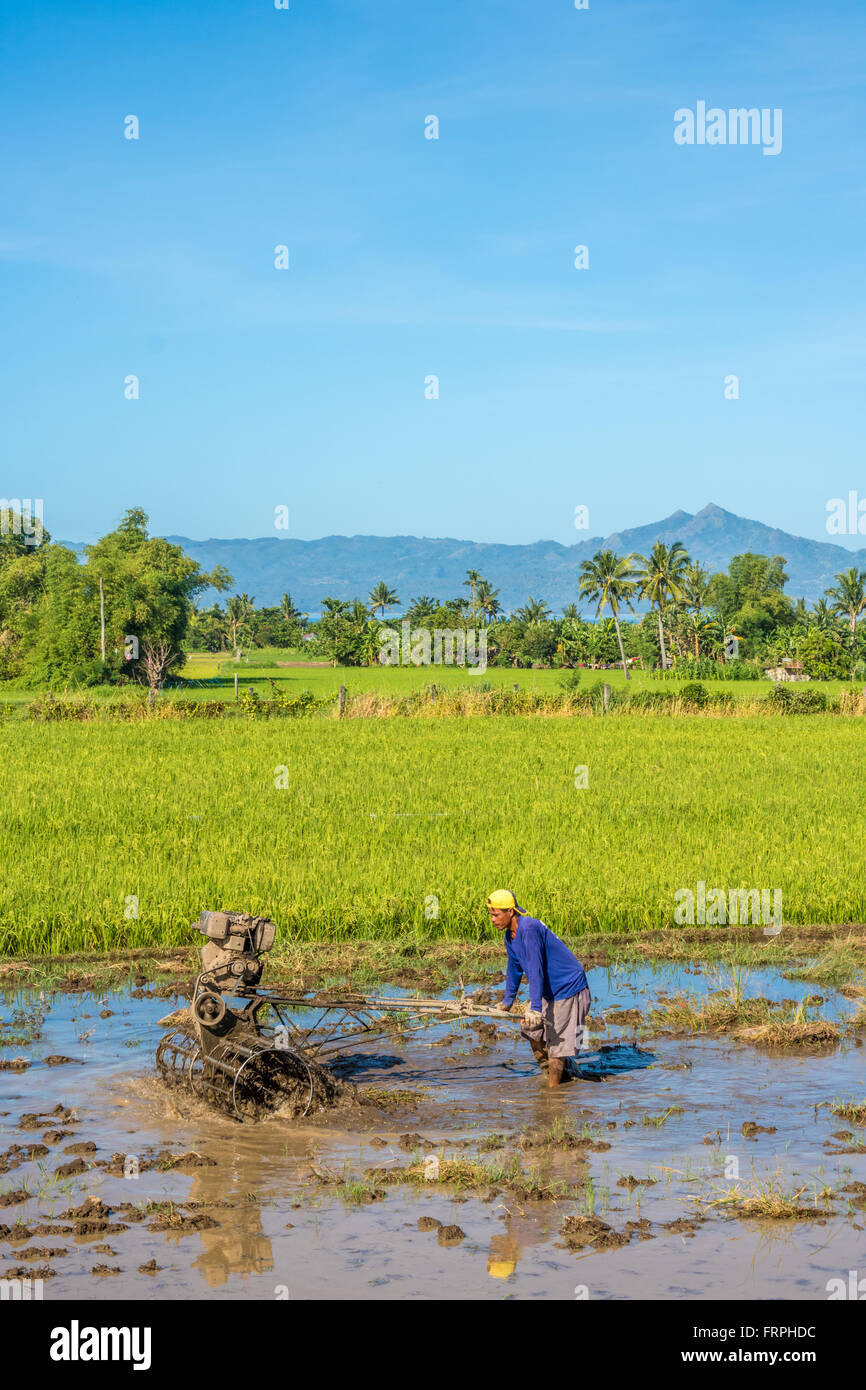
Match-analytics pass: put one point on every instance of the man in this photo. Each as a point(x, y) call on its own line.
point(559, 997)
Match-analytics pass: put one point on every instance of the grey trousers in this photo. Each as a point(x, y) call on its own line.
point(560, 1021)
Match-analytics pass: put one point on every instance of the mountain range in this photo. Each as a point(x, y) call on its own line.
point(350, 566)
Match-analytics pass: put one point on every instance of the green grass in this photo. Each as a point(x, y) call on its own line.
point(257, 668)
point(381, 817)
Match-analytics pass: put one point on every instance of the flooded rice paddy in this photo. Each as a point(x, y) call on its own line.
point(634, 1186)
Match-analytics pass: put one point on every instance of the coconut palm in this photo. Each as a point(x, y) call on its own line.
point(535, 611)
point(472, 581)
point(290, 613)
point(823, 617)
point(422, 608)
point(488, 601)
point(696, 625)
point(696, 584)
point(239, 609)
point(661, 576)
point(382, 597)
point(609, 580)
point(357, 614)
point(849, 596)
point(334, 608)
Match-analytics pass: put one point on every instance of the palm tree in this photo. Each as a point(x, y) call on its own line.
point(696, 586)
point(822, 616)
point(357, 613)
point(488, 601)
point(849, 596)
point(290, 613)
point(421, 608)
point(334, 608)
point(382, 597)
point(662, 578)
point(608, 580)
point(571, 613)
point(472, 581)
point(536, 611)
point(238, 610)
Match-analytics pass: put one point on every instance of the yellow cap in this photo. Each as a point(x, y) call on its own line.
point(502, 898)
point(500, 1269)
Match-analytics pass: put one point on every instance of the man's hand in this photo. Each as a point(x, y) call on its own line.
point(532, 1019)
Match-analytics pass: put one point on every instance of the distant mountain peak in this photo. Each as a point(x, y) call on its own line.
point(350, 566)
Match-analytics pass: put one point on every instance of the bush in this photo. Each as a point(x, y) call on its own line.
point(695, 694)
point(569, 682)
point(789, 701)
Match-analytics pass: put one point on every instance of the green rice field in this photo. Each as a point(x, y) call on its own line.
point(118, 835)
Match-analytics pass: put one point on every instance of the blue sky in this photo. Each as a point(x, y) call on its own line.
point(411, 257)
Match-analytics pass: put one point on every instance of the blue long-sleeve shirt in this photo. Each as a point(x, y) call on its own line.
point(551, 970)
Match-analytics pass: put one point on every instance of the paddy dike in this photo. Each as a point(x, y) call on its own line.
point(722, 1170)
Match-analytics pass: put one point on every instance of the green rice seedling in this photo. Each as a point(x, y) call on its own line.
point(849, 1110)
point(767, 1198)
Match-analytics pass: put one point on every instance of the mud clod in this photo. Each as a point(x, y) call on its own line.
point(750, 1128)
point(91, 1208)
point(580, 1231)
point(684, 1225)
point(12, 1199)
point(60, 1115)
point(39, 1252)
point(410, 1142)
point(630, 1182)
point(150, 1268)
point(451, 1235)
point(103, 1271)
point(72, 1169)
point(622, 1016)
point(429, 1223)
point(14, 1064)
point(182, 1224)
point(642, 1229)
point(182, 1163)
point(84, 1148)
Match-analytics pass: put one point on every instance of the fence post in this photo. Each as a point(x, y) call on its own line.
point(516, 687)
point(606, 696)
point(341, 701)
point(236, 685)
point(433, 692)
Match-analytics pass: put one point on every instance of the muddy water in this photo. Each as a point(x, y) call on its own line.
point(280, 1232)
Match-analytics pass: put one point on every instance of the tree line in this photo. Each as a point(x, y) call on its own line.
point(128, 612)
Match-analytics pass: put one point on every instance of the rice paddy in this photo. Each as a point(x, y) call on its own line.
point(118, 835)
